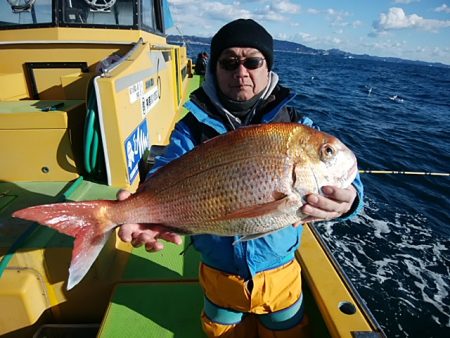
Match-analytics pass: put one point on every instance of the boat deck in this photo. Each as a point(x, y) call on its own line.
point(159, 293)
point(137, 292)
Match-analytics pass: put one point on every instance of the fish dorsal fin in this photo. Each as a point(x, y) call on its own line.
point(278, 205)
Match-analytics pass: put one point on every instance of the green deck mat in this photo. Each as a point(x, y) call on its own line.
point(18, 195)
point(154, 310)
point(170, 309)
point(87, 190)
point(165, 265)
point(193, 83)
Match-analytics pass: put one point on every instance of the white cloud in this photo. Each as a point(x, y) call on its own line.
point(439, 51)
point(443, 8)
point(336, 15)
point(281, 36)
point(336, 18)
point(404, 1)
point(285, 7)
point(313, 11)
point(305, 37)
point(220, 11)
point(396, 18)
point(274, 10)
point(213, 14)
point(420, 49)
point(357, 23)
point(388, 47)
point(329, 12)
point(380, 47)
point(435, 53)
point(210, 16)
point(322, 42)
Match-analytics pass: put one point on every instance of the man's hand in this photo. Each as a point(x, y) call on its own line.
point(334, 203)
point(145, 234)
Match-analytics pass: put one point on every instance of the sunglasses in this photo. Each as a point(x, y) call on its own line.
point(231, 64)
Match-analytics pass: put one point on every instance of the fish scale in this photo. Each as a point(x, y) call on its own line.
point(248, 182)
point(215, 152)
point(222, 192)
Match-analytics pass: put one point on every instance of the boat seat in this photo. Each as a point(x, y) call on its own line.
point(36, 114)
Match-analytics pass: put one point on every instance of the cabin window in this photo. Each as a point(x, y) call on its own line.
point(148, 14)
point(25, 12)
point(152, 16)
point(99, 12)
point(135, 14)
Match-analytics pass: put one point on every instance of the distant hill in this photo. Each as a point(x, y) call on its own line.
point(278, 44)
point(293, 47)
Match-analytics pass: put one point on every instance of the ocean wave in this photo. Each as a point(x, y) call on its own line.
point(396, 253)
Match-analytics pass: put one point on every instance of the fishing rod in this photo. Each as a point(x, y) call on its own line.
point(400, 172)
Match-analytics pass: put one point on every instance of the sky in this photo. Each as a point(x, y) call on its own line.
point(408, 29)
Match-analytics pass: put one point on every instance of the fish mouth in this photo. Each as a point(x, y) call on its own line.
point(346, 179)
point(351, 174)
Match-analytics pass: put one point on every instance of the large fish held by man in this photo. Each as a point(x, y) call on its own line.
point(248, 182)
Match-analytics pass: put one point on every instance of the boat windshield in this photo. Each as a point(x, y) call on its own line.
point(93, 13)
point(25, 12)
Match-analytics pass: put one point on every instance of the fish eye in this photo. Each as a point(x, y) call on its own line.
point(327, 152)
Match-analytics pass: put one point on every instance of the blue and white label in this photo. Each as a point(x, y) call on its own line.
point(135, 146)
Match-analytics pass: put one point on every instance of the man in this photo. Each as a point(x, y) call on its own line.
point(201, 63)
point(261, 276)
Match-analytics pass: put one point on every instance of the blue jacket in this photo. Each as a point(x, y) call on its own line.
point(244, 258)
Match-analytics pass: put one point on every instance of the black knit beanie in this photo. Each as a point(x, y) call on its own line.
point(242, 33)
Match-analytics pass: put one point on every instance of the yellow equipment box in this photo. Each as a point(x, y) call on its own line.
point(41, 140)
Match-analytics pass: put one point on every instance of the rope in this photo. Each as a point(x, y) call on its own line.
point(399, 172)
point(91, 137)
point(94, 164)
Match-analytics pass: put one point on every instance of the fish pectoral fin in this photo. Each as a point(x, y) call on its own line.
point(254, 236)
point(278, 205)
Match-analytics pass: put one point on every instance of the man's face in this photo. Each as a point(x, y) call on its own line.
point(241, 84)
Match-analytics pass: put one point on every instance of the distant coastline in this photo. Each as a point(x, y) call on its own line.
point(293, 47)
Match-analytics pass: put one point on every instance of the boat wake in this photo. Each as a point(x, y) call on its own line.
point(398, 265)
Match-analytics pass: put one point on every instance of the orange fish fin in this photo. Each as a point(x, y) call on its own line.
point(87, 221)
point(260, 209)
point(68, 218)
point(86, 248)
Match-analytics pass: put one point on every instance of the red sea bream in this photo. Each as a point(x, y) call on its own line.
point(248, 182)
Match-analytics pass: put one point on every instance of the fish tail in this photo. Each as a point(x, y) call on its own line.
point(88, 222)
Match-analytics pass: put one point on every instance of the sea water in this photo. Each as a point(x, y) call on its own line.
point(394, 116)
